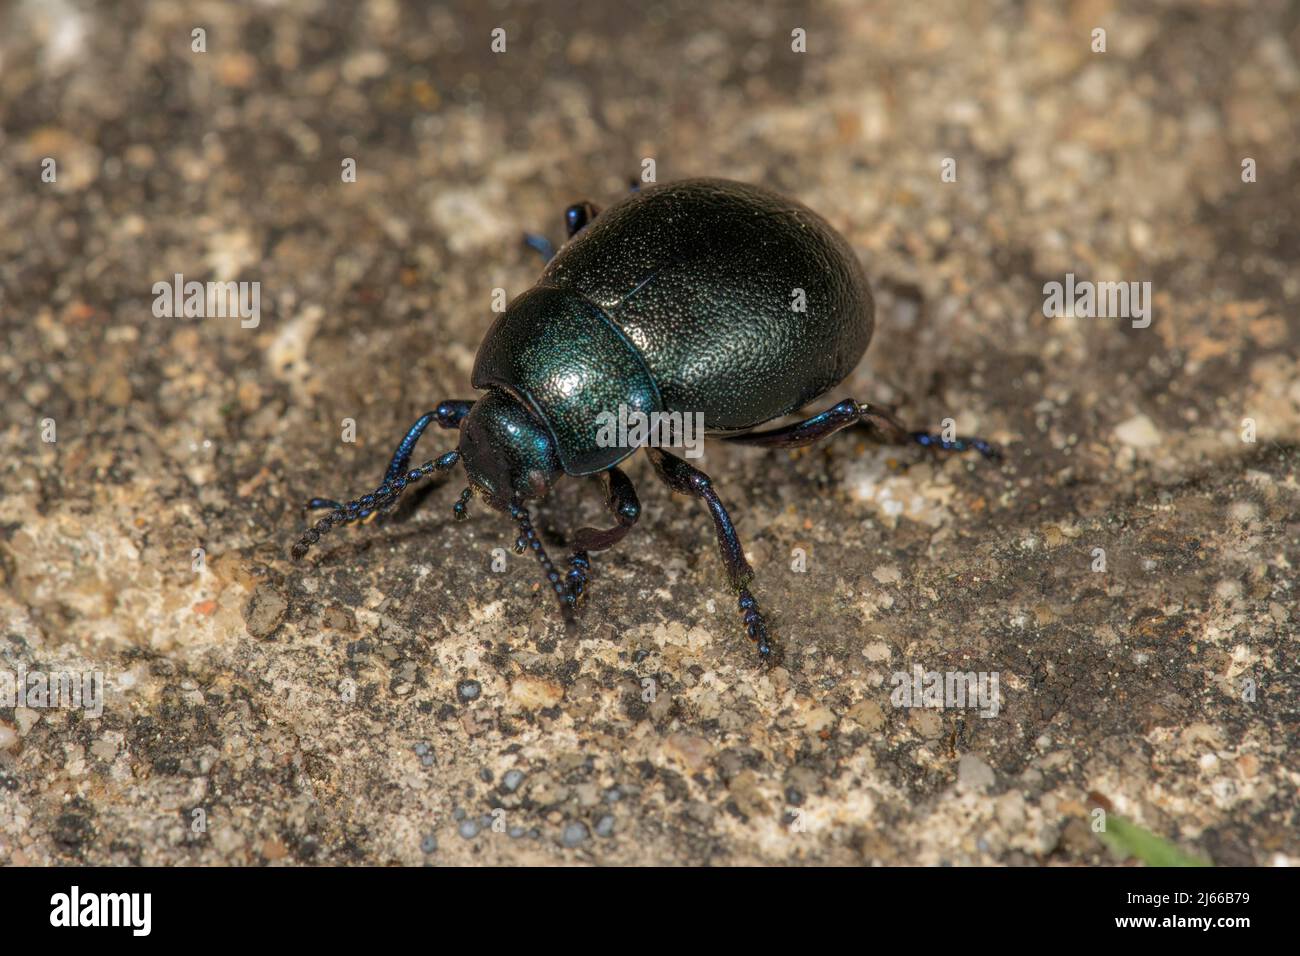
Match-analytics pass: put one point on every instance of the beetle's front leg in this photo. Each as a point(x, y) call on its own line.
point(381, 499)
point(621, 500)
point(687, 480)
point(448, 415)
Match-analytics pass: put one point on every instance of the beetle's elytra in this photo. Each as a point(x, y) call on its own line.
point(702, 296)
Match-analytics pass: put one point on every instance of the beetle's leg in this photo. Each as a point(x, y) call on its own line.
point(448, 415)
point(529, 540)
point(894, 432)
point(577, 216)
point(621, 500)
point(850, 412)
point(381, 498)
point(541, 245)
point(806, 432)
point(688, 480)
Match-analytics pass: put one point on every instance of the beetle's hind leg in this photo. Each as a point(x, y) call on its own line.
point(883, 425)
point(576, 218)
point(448, 415)
point(688, 480)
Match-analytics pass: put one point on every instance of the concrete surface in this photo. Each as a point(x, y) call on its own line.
point(378, 702)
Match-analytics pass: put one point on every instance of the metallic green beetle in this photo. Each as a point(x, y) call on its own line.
point(703, 296)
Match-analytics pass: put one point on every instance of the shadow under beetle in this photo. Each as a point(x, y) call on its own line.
point(680, 298)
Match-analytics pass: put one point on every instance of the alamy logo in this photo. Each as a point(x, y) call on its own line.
point(1098, 300)
point(217, 300)
point(103, 909)
point(53, 690)
point(633, 428)
point(945, 690)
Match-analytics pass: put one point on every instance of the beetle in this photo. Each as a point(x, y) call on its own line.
point(698, 296)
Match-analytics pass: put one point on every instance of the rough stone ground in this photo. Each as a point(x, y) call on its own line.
point(228, 689)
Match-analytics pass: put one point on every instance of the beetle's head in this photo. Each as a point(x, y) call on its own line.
point(508, 454)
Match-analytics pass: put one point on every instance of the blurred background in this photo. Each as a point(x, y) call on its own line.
point(379, 701)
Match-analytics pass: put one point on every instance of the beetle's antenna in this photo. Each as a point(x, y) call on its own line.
point(528, 540)
point(381, 497)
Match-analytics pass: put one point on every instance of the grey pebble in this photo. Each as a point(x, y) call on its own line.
point(429, 843)
point(574, 834)
point(605, 826)
point(512, 780)
point(469, 829)
point(469, 689)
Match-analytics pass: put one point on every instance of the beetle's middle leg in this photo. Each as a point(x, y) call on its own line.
point(688, 480)
point(850, 412)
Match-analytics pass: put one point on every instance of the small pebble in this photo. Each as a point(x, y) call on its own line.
point(605, 826)
point(469, 829)
point(793, 797)
point(517, 832)
point(469, 690)
point(427, 760)
point(458, 814)
point(574, 834)
point(512, 780)
point(429, 843)
point(485, 775)
point(421, 749)
point(613, 795)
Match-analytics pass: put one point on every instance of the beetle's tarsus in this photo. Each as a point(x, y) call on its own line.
point(848, 412)
point(756, 626)
point(688, 480)
point(378, 501)
point(458, 509)
point(533, 542)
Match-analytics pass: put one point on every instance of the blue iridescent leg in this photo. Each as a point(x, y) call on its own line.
point(893, 431)
point(849, 412)
point(576, 218)
point(621, 500)
point(381, 498)
point(448, 415)
point(687, 480)
point(543, 246)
